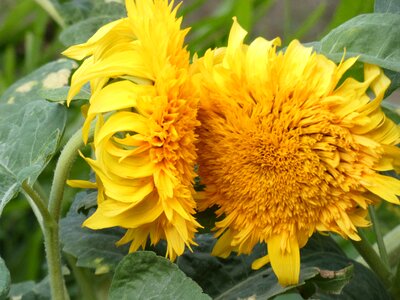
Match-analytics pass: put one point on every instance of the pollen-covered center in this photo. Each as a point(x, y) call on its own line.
point(274, 167)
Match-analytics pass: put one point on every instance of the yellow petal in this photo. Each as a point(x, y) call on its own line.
point(128, 194)
point(344, 66)
point(84, 184)
point(257, 58)
point(385, 187)
point(176, 245)
point(223, 246)
point(118, 95)
point(260, 262)
point(79, 52)
point(130, 167)
point(120, 122)
point(285, 262)
point(143, 213)
point(235, 42)
point(139, 238)
point(380, 83)
point(120, 62)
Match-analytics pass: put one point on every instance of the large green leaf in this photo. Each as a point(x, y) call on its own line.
point(217, 276)
point(29, 136)
point(322, 258)
point(373, 37)
point(387, 6)
point(5, 280)
point(213, 274)
point(49, 78)
point(144, 275)
point(93, 248)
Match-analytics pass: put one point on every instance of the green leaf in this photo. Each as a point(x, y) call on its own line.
point(82, 31)
point(73, 11)
point(264, 285)
point(289, 296)
point(387, 6)
point(143, 275)
point(364, 282)
point(233, 278)
point(94, 249)
point(22, 290)
point(333, 282)
point(394, 81)
point(392, 111)
point(213, 274)
point(60, 94)
point(5, 280)
point(216, 276)
point(51, 76)
point(373, 37)
point(29, 290)
point(29, 136)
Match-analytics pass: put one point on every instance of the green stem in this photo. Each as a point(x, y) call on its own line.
point(39, 203)
point(379, 236)
point(52, 239)
point(85, 284)
point(373, 260)
point(39, 189)
point(64, 164)
point(52, 11)
point(53, 256)
point(51, 243)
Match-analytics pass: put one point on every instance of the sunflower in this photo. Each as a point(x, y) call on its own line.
point(287, 147)
point(145, 113)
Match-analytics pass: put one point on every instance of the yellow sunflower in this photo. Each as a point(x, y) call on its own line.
point(287, 149)
point(142, 97)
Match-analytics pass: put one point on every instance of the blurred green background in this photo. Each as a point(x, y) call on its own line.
point(29, 38)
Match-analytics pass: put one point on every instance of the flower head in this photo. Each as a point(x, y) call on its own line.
point(287, 149)
point(138, 69)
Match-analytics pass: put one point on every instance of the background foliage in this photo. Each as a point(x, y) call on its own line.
point(31, 37)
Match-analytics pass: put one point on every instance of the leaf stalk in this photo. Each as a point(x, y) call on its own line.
point(373, 260)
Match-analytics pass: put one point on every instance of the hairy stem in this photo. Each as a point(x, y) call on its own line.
point(379, 236)
point(63, 167)
point(373, 260)
point(42, 193)
point(40, 209)
point(53, 256)
point(51, 243)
